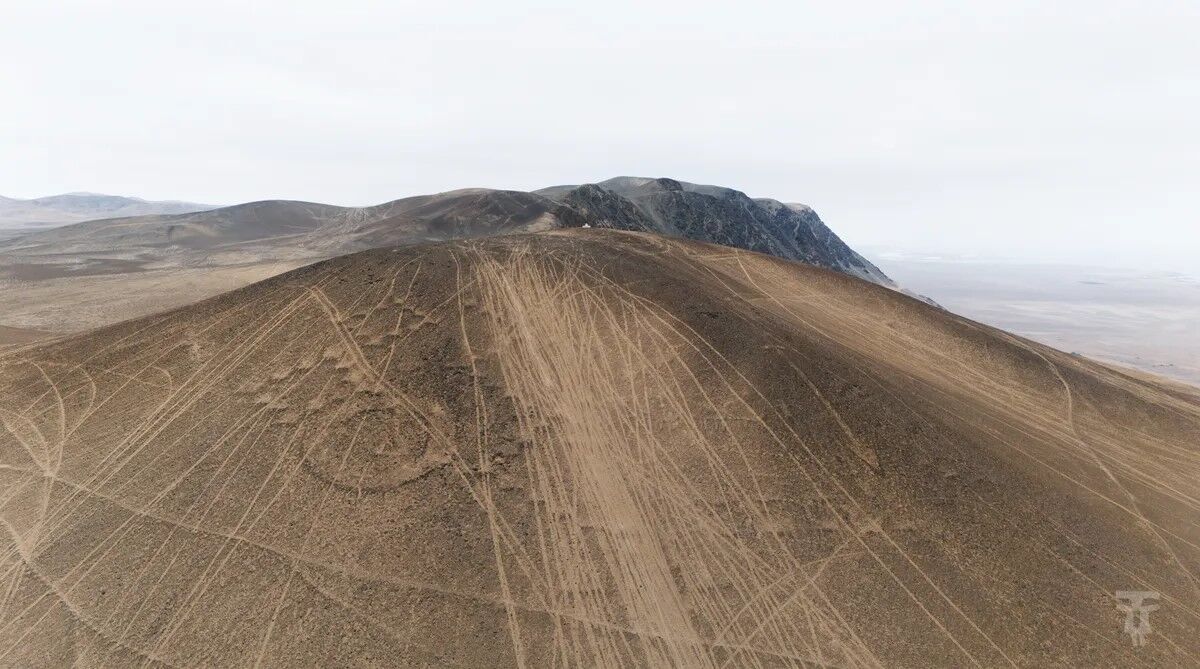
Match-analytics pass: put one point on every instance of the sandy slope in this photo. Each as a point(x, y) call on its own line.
point(585, 447)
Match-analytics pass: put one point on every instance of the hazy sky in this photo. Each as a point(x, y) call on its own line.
point(1061, 130)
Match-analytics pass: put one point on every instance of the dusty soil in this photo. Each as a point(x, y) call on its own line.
point(64, 302)
point(13, 338)
point(586, 448)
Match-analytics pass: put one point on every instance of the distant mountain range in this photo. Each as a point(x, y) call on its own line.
point(289, 229)
point(75, 207)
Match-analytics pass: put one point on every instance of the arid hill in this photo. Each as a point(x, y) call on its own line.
point(301, 229)
point(99, 272)
point(281, 228)
point(586, 447)
point(715, 214)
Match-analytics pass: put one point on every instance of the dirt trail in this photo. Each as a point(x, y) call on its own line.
point(585, 448)
point(617, 495)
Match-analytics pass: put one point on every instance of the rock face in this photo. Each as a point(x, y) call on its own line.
point(715, 214)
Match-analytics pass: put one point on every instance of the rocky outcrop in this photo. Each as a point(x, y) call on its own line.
point(715, 214)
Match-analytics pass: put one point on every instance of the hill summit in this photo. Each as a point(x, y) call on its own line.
point(586, 447)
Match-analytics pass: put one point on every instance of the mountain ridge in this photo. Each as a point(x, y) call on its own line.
point(706, 213)
point(79, 206)
point(718, 214)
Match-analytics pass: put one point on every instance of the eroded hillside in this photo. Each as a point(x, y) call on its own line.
point(585, 447)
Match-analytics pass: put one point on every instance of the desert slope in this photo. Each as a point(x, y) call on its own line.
point(585, 447)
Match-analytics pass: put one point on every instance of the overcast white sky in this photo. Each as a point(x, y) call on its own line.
point(1061, 130)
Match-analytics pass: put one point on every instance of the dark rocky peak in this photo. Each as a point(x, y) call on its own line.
point(662, 184)
point(601, 208)
point(714, 214)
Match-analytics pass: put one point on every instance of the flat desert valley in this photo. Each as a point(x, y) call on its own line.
point(1139, 319)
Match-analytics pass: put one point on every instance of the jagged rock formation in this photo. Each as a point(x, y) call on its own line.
point(715, 214)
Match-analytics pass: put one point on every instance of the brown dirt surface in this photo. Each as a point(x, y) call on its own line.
point(586, 447)
point(13, 338)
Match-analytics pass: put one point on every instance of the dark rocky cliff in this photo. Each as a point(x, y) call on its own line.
point(713, 214)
